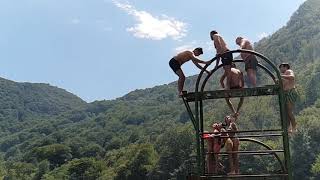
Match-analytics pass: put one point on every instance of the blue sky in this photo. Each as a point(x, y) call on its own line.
point(103, 49)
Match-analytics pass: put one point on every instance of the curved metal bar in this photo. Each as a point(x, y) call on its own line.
point(237, 51)
point(214, 70)
point(269, 148)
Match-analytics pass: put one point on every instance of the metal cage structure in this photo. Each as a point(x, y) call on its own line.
point(197, 117)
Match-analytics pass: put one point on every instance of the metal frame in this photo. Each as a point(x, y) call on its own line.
point(199, 95)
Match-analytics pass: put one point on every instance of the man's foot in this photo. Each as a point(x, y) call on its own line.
point(181, 94)
point(294, 127)
point(232, 173)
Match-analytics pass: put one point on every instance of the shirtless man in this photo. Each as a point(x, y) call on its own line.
point(221, 47)
point(176, 62)
point(234, 81)
point(290, 93)
point(232, 144)
point(250, 60)
point(214, 146)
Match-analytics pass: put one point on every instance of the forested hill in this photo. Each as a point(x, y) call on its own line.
point(298, 41)
point(48, 133)
point(22, 104)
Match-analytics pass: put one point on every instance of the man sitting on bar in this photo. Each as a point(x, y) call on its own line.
point(232, 144)
point(234, 81)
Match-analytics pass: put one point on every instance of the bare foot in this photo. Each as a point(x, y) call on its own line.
point(232, 173)
point(289, 128)
point(180, 94)
point(294, 127)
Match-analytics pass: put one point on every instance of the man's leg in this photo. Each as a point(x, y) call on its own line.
point(216, 149)
point(291, 118)
point(252, 77)
point(239, 105)
point(210, 162)
point(229, 147)
point(230, 105)
point(181, 80)
point(236, 144)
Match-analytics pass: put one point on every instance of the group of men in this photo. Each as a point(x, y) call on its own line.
point(234, 77)
point(223, 135)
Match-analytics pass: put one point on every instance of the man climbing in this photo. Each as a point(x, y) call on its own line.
point(290, 93)
point(250, 60)
point(232, 145)
point(234, 81)
point(221, 48)
point(178, 60)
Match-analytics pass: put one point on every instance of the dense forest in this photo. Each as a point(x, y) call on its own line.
point(48, 133)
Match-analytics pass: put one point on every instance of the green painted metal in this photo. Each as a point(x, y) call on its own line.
point(245, 92)
point(199, 95)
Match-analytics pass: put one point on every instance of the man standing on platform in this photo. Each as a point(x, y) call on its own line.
point(290, 93)
point(232, 145)
point(250, 60)
point(222, 50)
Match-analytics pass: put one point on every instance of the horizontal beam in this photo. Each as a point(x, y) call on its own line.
point(248, 131)
point(247, 152)
point(244, 176)
point(252, 154)
point(244, 92)
point(243, 136)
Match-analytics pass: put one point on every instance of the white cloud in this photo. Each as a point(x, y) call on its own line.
point(263, 35)
point(150, 27)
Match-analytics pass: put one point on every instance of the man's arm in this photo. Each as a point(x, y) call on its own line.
point(196, 60)
point(216, 42)
point(200, 67)
point(288, 75)
point(217, 62)
point(244, 45)
point(222, 80)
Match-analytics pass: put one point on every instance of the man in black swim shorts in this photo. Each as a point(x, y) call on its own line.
point(222, 49)
point(178, 60)
point(250, 60)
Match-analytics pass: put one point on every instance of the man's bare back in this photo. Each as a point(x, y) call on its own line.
point(245, 44)
point(184, 56)
point(234, 79)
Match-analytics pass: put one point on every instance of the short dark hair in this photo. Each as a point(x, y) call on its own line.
point(284, 65)
point(199, 49)
point(213, 33)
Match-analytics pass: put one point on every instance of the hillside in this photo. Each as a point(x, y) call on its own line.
point(48, 133)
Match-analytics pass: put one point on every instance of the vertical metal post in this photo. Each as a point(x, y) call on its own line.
point(202, 141)
point(198, 134)
point(284, 123)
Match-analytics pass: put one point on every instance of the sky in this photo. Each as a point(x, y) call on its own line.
point(103, 49)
